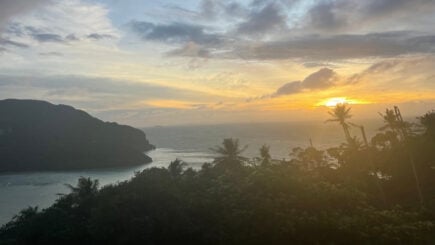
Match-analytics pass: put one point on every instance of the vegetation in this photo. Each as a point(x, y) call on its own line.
point(37, 135)
point(354, 193)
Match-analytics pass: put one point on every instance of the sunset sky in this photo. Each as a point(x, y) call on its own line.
point(168, 62)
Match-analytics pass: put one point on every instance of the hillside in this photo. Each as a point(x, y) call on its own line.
point(37, 135)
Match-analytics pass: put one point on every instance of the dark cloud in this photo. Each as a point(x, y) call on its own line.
point(377, 68)
point(191, 49)
point(324, 16)
point(267, 19)
point(174, 33)
point(37, 34)
point(349, 14)
point(318, 64)
point(7, 42)
point(97, 36)
point(384, 7)
point(235, 9)
point(72, 37)
point(10, 8)
point(209, 9)
point(48, 37)
point(335, 47)
point(289, 88)
point(322, 79)
point(54, 54)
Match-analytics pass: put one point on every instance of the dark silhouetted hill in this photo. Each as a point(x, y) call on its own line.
point(37, 135)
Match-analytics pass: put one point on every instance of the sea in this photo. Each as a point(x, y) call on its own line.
point(192, 144)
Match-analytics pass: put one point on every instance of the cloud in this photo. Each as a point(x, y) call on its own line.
point(52, 54)
point(209, 9)
point(350, 14)
point(97, 36)
point(57, 22)
point(174, 33)
point(48, 37)
point(405, 72)
point(324, 16)
point(315, 47)
point(12, 8)
point(322, 79)
point(91, 93)
point(314, 31)
point(289, 88)
point(266, 20)
point(191, 49)
point(7, 42)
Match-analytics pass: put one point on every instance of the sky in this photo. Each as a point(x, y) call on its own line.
point(168, 62)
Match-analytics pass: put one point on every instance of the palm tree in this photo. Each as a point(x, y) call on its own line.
point(26, 214)
point(428, 122)
point(390, 120)
point(86, 187)
point(340, 114)
point(265, 155)
point(229, 152)
point(395, 122)
point(176, 167)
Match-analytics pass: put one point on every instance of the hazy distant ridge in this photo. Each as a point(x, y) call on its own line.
point(37, 135)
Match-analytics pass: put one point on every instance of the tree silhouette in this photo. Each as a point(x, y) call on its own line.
point(308, 158)
point(230, 152)
point(176, 167)
point(265, 155)
point(86, 188)
point(390, 120)
point(428, 122)
point(26, 214)
point(340, 114)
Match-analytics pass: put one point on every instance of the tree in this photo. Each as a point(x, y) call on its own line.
point(86, 188)
point(26, 214)
point(390, 120)
point(175, 168)
point(340, 114)
point(308, 158)
point(428, 122)
point(265, 155)
point(230, 153)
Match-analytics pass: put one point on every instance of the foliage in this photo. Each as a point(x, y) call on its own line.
point(318, 197)
point(37, 135)
point(341, 114)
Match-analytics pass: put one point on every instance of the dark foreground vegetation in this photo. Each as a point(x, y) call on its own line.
point(377, 192)
point(37, 135)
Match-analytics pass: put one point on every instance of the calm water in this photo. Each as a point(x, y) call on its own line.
point(189, 143)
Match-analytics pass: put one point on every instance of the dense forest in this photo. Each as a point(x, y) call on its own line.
point(364, 191)
point(37, 135)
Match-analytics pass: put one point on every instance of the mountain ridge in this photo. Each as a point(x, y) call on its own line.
point(38, 135)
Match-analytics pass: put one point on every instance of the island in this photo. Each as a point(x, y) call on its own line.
point(37, 135)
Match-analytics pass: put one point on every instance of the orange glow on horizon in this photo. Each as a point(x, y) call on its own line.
point(332, 102)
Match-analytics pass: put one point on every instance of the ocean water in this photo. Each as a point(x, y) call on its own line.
point(189, 143)
point(281, 137)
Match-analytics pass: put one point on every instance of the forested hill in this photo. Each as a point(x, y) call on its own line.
point(382, 192)
point(37, 135)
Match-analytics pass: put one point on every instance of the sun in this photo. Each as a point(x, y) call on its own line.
point(332, 102)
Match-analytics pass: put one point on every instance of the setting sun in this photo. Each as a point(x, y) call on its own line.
point(335, 101)
point(332, 102)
